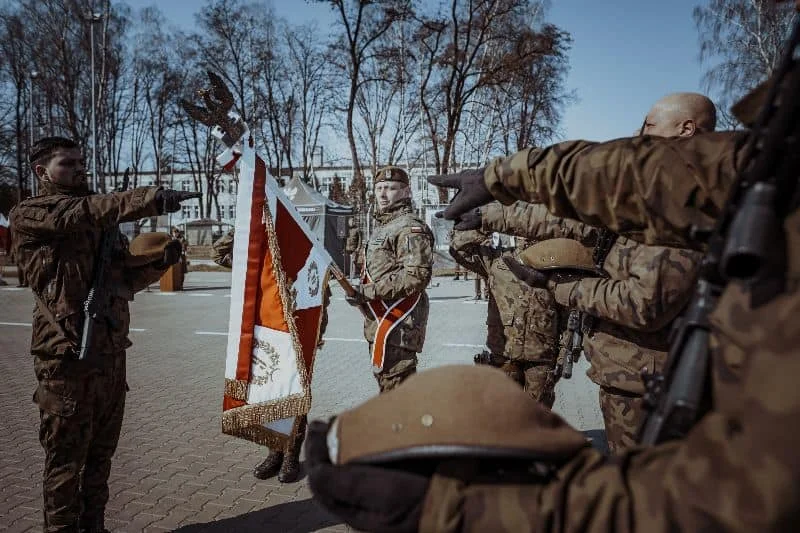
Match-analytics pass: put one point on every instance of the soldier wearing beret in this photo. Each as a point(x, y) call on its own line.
point(398, 267)
point(736, 467)
point(56, 241)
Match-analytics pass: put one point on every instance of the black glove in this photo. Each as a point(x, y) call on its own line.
point(472, 191)
point(169, 201)
point(356, 299)
point(172, 254)
point(469, 220)
point(368, 498)
point(531, 276)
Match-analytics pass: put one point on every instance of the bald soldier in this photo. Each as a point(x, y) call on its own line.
point(736, 470)
point(398, 266)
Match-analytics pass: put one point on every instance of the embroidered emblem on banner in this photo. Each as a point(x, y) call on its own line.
point(268, 367)
point(313, 279)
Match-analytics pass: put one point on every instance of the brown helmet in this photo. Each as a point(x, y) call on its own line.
point(391, 173)
point(566, 254)
point(147, 247)
point(452, 411)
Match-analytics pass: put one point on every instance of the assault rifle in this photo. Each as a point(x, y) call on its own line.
point(95, 307)
point(747, 244)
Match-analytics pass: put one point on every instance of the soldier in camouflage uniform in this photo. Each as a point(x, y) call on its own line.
point(627, 313)
point(398, 267)
point(737, 468)
point(56, 241)
point(354, 245)
point(222, 250)
point(522, 324)
point(283, 463)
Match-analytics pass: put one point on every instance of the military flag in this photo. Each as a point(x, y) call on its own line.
point(280, 272)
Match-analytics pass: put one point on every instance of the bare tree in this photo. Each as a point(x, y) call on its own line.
point(742, 41)
point(15, 66)
point(313, 85)
point(464, 55)
point(362, 23)
point(536, 95)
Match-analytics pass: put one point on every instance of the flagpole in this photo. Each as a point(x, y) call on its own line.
point(348, 288)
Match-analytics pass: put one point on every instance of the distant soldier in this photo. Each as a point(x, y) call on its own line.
point(399, 263)
point(355, 244)
point(283, 463)
point(222, 250)
point(56, 241)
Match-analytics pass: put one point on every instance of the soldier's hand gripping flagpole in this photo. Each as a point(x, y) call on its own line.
point(351, 293)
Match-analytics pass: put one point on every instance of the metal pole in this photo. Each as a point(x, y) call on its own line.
point(30, 127)
point(94, 123)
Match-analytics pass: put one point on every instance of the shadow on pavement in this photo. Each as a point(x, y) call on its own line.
point(297, 517)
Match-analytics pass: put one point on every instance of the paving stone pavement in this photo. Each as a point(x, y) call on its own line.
point(174, 470)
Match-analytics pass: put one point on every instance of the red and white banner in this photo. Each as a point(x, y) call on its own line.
point(279, 276)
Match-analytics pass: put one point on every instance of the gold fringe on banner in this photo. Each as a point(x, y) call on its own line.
point(236, 389)
point(247, 422)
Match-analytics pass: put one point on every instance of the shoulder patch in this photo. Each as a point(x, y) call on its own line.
point(417, 229)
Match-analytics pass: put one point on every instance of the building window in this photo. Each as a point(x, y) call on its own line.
point(196, 211)
point(186, 211)
point(185, 185)
point(231, 211)
point(234, 187)
point(221, 185)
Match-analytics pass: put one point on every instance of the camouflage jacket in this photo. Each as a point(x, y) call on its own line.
point(222, 250)
point(399, 263)
point(56, 241)
point(522, 323)
point(737, 470)
point(646, 288)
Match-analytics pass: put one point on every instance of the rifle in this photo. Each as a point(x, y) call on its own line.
point(747, 244)
point(570, 350)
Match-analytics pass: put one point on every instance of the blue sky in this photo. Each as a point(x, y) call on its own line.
point(626, 54)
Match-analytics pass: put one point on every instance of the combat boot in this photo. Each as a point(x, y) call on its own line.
point(290, 469)
point(270, 466)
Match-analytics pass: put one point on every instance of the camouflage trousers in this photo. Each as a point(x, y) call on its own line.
point(80, 422)
point(398, 364)
point(622, 414)
point(538, 378)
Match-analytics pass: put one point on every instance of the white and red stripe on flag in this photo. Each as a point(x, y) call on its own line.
point(277, 287)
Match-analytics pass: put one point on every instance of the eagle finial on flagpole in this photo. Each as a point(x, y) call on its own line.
point(217, 113)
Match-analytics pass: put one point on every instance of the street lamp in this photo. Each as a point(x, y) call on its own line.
point(92, 18)
point(32, 76)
